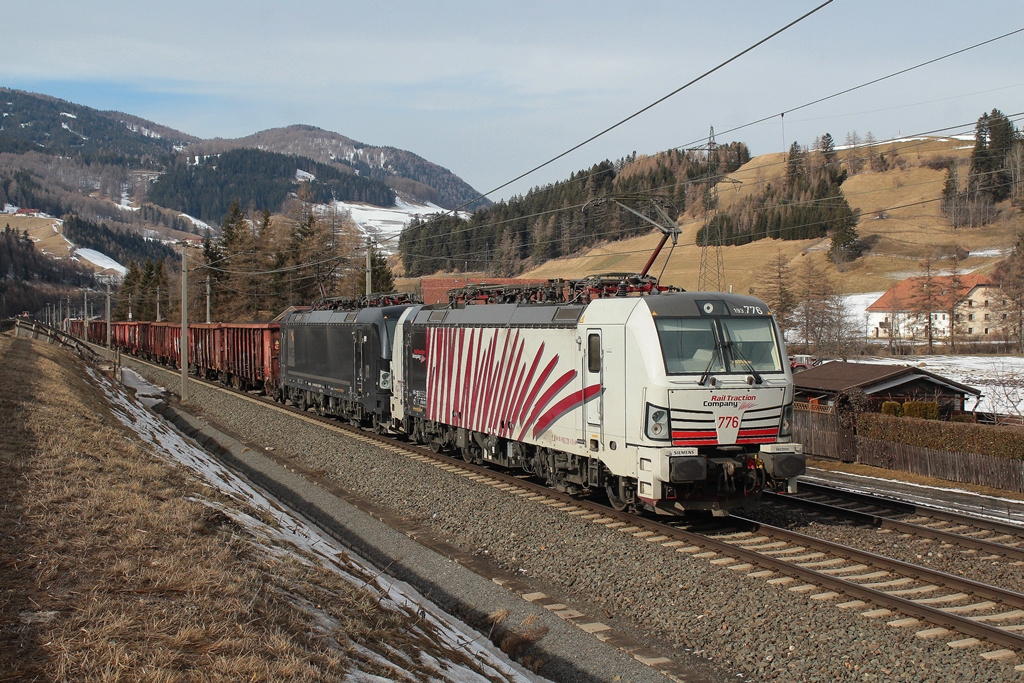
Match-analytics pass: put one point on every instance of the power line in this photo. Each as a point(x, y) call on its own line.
point(862, 85)
point(646, 108)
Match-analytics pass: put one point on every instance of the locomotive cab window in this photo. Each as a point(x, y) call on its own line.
point(718, 345)
point(690, 345)
point(753, 344)
point(594, 353)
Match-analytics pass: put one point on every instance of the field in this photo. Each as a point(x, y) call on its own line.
point(127, 554)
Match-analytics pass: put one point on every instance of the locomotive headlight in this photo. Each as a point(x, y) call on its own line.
point(786, 427)
point(657, 423)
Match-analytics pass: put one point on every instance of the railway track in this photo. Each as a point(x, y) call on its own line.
point(962, 530)
point(964, 612)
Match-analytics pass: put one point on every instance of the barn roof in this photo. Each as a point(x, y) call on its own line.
point(872, 378)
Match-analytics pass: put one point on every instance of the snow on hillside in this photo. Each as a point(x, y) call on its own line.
point(385, 224)
point(100, 259)
point(196, 222)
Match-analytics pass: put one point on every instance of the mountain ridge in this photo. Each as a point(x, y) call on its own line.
point(35, 122)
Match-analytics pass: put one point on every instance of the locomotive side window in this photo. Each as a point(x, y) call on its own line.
point(594, 353)
point(690, 345)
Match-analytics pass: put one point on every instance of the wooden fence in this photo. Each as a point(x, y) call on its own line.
point(966, 468)
point(817, 428)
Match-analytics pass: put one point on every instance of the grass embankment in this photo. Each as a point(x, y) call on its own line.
point(113, 568)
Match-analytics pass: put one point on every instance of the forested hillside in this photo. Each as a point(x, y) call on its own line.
point(410, 174)
point(29, 280)
point(561, 219)
point(809, 203)
point(257, 179)
point(120, 245)
point(33, 123)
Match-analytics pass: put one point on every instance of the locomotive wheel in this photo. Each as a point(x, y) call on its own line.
point(542, 467)
point(471, 453)
point(617, 496)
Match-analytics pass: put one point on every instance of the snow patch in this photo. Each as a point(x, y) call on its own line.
point(290, 534)
point(385, 224)
point(196, 222)
point(101, 260)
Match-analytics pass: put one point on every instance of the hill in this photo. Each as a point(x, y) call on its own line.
point(408, 174)
point(61, 157)
point(900, 218)
point(39, 123)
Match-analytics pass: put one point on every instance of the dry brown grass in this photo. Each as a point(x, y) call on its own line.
point(113, 568)
point(42, 232)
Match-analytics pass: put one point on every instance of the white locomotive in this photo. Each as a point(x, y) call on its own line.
point(669, 402)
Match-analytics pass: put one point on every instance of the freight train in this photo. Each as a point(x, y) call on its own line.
point(669, 402)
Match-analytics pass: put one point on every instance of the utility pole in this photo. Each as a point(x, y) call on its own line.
point(108, 315)
point(184, 321)
point(207, 299)
point(158, 304)
point(369, 266)
point(85, 313)
point(129, 305)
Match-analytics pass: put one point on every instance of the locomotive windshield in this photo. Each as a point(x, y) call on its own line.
point(717, 345)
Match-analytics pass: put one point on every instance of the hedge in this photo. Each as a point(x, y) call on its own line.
point(999, 441)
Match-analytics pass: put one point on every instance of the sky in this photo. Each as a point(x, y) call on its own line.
point(493, 90)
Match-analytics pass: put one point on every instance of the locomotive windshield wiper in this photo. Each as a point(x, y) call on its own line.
point(717, 353)
point(737, 355)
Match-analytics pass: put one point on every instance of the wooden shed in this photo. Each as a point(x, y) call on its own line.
point(901, 383)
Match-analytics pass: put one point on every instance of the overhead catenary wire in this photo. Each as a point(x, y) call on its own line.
point(470, 256)
point(864, 85)
point(646, 108)
point(963, 128)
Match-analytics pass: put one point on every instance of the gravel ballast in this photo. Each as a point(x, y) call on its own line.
point(723, 622)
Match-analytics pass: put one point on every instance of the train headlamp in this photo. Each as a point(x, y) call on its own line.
point(786, 425)
point(657, 423)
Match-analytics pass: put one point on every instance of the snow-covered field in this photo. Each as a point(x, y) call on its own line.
point(385, 224)
point(100, 259)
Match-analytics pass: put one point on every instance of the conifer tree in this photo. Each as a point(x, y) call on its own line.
point(1010, 276)
point(777, 292)
point(381, 277)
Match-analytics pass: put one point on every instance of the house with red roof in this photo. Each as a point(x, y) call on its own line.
point(962, 307)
